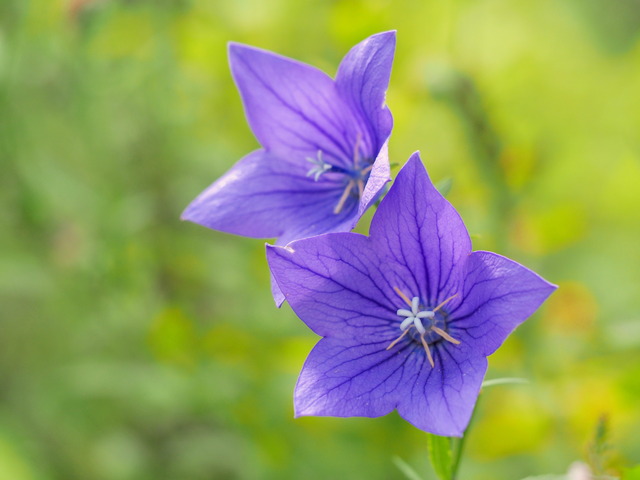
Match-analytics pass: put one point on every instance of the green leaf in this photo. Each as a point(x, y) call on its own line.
point(444, 186)
point(503, 381)
point(441, 456)
point(406, 469)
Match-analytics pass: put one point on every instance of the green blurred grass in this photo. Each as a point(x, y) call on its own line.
point(134, 346)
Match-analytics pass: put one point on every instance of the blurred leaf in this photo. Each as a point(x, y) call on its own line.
point(504, 381)
point(406, 469)
point(444, 186)
point(441, 455)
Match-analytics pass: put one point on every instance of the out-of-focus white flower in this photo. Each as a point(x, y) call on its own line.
point(579, 471)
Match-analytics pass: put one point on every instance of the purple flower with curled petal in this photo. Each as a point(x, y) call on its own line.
point(408, 314)
point(323, 159)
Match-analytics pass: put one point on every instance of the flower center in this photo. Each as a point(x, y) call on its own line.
point(355, 178)
point(425, 325)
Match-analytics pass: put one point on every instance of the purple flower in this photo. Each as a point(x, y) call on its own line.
point(408, 314)
point(323, 159)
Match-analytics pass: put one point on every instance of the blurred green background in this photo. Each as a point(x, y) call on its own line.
point(134, 346)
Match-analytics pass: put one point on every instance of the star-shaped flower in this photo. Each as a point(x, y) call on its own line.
point(408, 314)
point(323, 159)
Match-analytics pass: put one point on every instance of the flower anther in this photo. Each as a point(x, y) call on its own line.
point(430, 325)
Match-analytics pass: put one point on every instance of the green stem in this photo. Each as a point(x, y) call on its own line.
point(457, 457)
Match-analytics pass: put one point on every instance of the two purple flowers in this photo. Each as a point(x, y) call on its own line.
point(408, 314)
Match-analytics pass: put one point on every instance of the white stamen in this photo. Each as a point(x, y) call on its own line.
point(404, 313)
point(419, 327)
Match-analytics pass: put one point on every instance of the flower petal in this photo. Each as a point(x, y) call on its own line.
point(265, 196)
point(499, 294)
point(440, 399)
point(336, 285)
point(276, 293)
point(293, 109)
point(363, 79)
point(422, 234)
point(345, 378)
point(380, 175)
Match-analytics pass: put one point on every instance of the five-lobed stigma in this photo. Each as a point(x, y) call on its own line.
point(355, 178)
point(423, 320)
point(319, 166)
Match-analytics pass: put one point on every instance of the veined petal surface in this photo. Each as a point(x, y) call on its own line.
point(499, 294)
point(336, 285)
point(363, 78)
point(347, 378)
point(265, 196)
point(423, 234)
point(294, 109)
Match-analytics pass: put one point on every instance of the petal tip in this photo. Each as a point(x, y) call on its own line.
point(188, 215)
point(279, 300)
point(233, 49)
point(415, 157)
point(389, 35)
point(239, 51)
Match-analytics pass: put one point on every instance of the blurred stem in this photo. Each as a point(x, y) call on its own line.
point(457, 454)
point(461, 94)
point(599, 446)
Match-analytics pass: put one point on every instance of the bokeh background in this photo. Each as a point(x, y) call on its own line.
point(135, 346)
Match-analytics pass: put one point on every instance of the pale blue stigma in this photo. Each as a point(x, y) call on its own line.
point(320, 166)
point(415, 316)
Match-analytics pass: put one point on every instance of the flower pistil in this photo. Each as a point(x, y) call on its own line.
point(355, 178)
point(433, 320)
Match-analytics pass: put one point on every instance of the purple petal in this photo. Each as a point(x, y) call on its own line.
point(499, 294)
point(344, 377)
point(363, 78)
point(265, 196)
point(440, 399)
point(422, 234)
point(380, 175)
point(294, 109)
point(336, 285)
point(276, 293)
